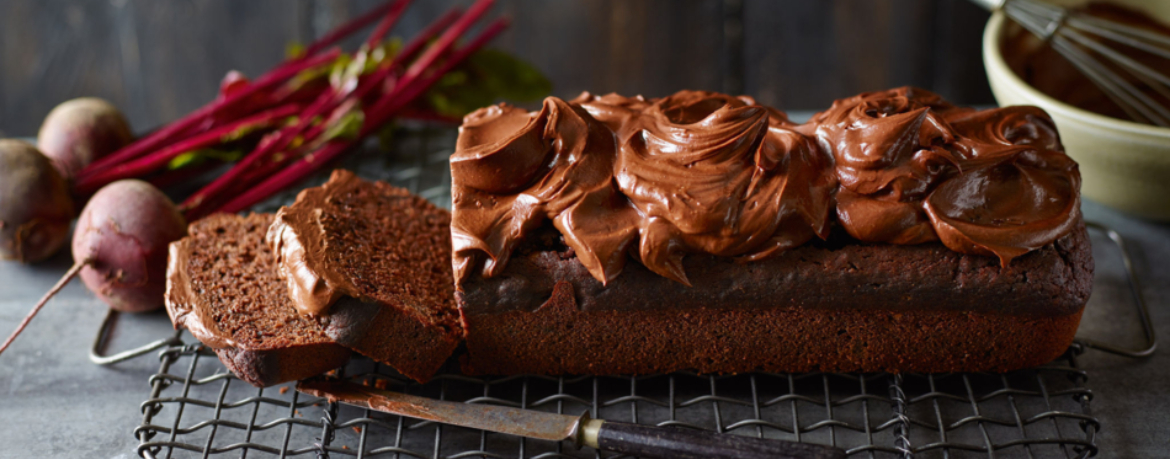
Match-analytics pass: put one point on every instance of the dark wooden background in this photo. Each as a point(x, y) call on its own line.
point(158, 59)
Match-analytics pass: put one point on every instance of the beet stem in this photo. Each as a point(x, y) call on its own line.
point(421, 40)
point(69, 275)
point(388, 106)
point(181, 128)
point(387, 23)
point(160, 158)
point(289, 69)
point(347, 29)
point(182, 175)
point(446, 40)
point(199, 204)
point(250, 173)
point(196, 203)
point(383, 110)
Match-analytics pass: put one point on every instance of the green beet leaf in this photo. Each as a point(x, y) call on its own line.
point(487, 77)
point(197, 157)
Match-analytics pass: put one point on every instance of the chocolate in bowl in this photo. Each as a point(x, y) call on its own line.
point(1045, 69)
point(1123, 163)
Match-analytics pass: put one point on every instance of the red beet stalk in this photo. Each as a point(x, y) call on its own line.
point(432, 54)
point(386, 24)
point(200, 203)
point(350, 27)
point(169, 133)
point(438, 49)
point(446, 40)
point(419, 41)
point(385, 108)
point(396, 100)
point(178, 176)
point(194, 204)
point(184, 127)
point(408, 52)
point(276, 162)
point(160, 158)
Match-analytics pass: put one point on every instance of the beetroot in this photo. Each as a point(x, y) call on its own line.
point(35, 204)
point(120, 248)
point(79, 131)
point(123, 233)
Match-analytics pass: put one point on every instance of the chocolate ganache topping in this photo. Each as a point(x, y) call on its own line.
point(702, 172)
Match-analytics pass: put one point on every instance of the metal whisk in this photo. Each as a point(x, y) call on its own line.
point(1071, 34)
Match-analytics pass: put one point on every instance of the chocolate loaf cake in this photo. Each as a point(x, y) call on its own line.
point(371, 263)
point(222, 287)
point(892, 232)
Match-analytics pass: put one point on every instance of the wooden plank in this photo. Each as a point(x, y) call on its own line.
point(160, 59)
point(802, 55)
point(327, 14)
point(185, 48)
point(959, 72)
point(789, 58)
point(733, 47)
point(52, 51)
point(651, 47)
point(155, 60)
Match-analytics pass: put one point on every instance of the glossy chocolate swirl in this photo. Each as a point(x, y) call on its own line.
point(715, 174)
point(890, 150)
point(701, 172)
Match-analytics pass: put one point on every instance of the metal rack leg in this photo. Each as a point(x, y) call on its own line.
point(1139, 299)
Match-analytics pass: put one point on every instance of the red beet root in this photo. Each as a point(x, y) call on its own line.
point(123, 233)
point(35, 205)
point(79, 131)
point(120, 248)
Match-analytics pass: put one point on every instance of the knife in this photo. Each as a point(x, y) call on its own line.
point(631, 439)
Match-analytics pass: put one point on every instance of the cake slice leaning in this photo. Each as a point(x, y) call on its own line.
point(222, 287)
point(372, 264)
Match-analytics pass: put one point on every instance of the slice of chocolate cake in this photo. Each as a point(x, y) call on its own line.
point(222, 287)
point(373, 264)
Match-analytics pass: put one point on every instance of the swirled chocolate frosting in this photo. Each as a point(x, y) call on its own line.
point(698, 172)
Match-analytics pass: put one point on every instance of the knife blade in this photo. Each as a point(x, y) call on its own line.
point(632, 439)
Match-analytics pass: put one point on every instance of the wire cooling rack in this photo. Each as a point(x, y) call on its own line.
point(197, 408)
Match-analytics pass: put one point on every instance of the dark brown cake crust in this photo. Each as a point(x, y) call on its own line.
point(1053, 281)
point(222, 287)
point(269, 367)
point(414, 348)
point(826, 307)
point(560, 339)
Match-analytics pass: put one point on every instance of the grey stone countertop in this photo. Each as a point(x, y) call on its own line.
point(55, 403)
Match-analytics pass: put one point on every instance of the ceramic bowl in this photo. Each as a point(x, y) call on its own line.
point(1125, 165)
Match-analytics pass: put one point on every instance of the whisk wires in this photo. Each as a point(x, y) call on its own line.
point(1091, 45)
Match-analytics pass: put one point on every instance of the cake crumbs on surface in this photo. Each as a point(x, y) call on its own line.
point(283, 390)
point(357, 429)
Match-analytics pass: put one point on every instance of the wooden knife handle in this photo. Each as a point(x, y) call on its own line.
point(682, 443)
